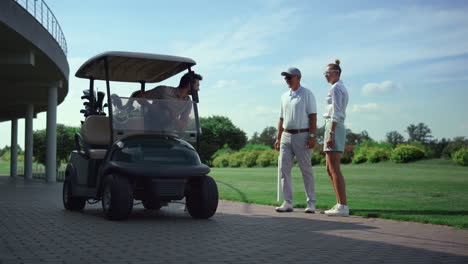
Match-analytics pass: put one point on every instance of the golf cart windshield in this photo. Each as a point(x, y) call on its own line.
point(143, 116)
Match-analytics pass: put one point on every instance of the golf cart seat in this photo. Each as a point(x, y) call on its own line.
point(96, 135)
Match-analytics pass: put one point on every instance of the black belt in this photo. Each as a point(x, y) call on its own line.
point(295, 131)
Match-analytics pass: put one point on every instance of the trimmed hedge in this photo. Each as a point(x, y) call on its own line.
point(221, 161)
point(250, 158)
point(222, 151)
point(406, 153)
point(359, 158)
point(268, 158)
point(348, 154)
point(236, 159)
point(377, 154)
point(250, 147)
point(461, 157)
point(316, 158)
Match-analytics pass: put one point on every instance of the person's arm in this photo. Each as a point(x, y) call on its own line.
point(280, 132)
point(182, 121)
point(337, 113)
point(312, 115)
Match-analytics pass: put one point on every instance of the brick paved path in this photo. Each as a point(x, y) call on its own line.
point(34, 228)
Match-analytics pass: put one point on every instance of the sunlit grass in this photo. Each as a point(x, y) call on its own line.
point(429, 191)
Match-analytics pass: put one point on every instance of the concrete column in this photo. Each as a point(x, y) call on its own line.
point(14, 148)
point(28, 142)
point(51, 155)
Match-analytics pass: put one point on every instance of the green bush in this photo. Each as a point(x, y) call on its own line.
point(224, 150)
point(348, 154)
point(221, 161)
point(366, 145)
point(274, 159)
point(377, 154)
point(345, 159)
point(7, 156)
point(264, 159)
point(406, 153)
point(371, 151)
point(316, 158)
point(250, 147)
point(236, 159)
point(250, 158)
point(323, 161)
point(428, 152)
point(461, 157)
point(359, 158)
point(454, 146)
point(268, 158)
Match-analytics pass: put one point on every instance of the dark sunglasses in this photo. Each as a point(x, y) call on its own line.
point(289, 77)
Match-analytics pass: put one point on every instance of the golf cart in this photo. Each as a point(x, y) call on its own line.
point(140, 151)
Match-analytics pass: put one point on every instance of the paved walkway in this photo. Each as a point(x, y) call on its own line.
point(34, 228)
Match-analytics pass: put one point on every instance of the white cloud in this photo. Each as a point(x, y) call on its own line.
point(358, 108)
point(222, 84)
point(385, 87)
point(264, 110)
point(241, 38)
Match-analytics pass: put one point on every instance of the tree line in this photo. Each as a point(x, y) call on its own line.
point(220, 134)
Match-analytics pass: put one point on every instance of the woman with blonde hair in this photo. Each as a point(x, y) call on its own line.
point(335, 135)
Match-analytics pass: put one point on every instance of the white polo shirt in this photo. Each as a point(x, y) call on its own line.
point(337, 100)
point(296, 107)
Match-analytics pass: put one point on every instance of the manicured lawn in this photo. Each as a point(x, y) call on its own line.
point(429, 191)
point(4, 167)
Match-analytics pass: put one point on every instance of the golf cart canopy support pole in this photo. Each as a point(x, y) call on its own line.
point(195, 106)
point(109, 101)
point(142, 86)
point(91, 94)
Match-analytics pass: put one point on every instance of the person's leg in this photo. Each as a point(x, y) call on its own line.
point(329, 171)
point(303, 155)
point(338, 179)
point(285, 164)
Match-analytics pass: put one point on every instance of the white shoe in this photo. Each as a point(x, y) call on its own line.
point(331, 209)
point(340, 210)
point(285, 207)
point(310, 209)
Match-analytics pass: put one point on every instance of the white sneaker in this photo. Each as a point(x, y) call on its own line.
point(310, 209)
point(285, 207)
point(331, 209)
point(340, 210)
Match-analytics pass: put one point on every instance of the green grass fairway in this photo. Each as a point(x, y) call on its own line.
point(429, 191)
point(4, 167)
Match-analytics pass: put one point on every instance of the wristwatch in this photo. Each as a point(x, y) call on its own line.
point(332, 132)
point(312, 135)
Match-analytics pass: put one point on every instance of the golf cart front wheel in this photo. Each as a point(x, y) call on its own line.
point(117, 197)
point(69, 202)
point(202, 199)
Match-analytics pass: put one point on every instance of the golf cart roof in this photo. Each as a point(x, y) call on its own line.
point(134, 67)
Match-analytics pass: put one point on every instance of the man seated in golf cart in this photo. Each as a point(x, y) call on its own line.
point(181, 92)
point(162, 92)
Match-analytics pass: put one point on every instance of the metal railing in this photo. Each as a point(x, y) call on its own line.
point(41, 11)
point(39, 172)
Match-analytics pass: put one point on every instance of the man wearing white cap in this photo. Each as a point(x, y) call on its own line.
point(296, 137)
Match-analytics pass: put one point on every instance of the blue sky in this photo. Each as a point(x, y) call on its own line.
point(403, 62)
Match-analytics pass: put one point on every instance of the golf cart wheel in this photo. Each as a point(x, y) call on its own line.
point(151, 204)
point(117, 197)
point(202, 199)
point(69, 202)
